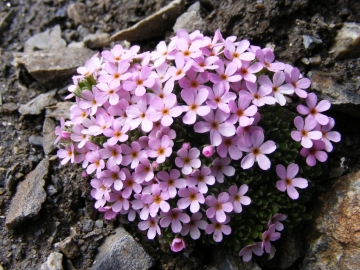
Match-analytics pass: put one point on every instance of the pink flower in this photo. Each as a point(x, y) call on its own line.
point(159, 149)
point(219, 206)
point(313, 110)
point(246, 252)
point(175, 217)
point(314, 153)
point(201, 178)
point(109, 213)
point(132, 154)
point(188, 160)
point(194, 80)
point(97, 163)
point(144, 171)
point(171, 181)
point(117, 133)
point(177, 244)
point(257, 151)
point(129, 183)
point(237, 197)
point(164, 109)
point(247, 70)
point(238, 54)
point(278, 88)
point(219, 97)
point(189, 52)
point(151, 224)
point(220, 167)
point(190, 196)
point(92, 100)
point(216, 125)
point(242, 113)
point(266, 57)
point(162, 52)
point(299, 84)
point(139, 115)
point(304, 132)
point(328, 135)
point(276, 220)
point(269, 235)
point(140, 81)
point(60, 132)
point(218, 228)
point(288, 182)
point(194, 101)
point(194, 225)
point(179, 71)
point(260, 96)
point(116, 73)
point(208, 151)
point(229, 146)
point(113, 153)
point(158, 200)
point(120, 202)
point(224, 76)
point(110, 91)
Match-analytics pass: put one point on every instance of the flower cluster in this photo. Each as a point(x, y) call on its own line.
point(174, 138)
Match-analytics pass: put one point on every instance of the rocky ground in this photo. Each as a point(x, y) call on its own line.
point(46, 214)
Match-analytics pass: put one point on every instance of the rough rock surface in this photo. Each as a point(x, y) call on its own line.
point(48, 40)
point(154, 25)
point(347, 41)
point(49, 136)
point(53, 262)
point(48, 67)
point(334, 240)
point(121, 251)
point(29, 196)
point(38, 104)
point(191, 19)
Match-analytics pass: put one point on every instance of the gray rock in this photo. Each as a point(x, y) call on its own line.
point(291, 248)
point(333, 239)
point(347, 42)
point(121, 251)
point(97, 41)
point(88, 225)
point(10, 107)
point(61, 109)
point(154, 25)
point(51, 190)
point(311, 42)
point(227, 261)
point(53, 262)
point(48, 40)
point(5, 20)
point(77, 12)
point(344, 97)
point(76, 45)
point(69, 247)
point(29, 196)
point(50, 67)
point(38, 104)
point(190, 20)
point(49, 136)
point(36, 140)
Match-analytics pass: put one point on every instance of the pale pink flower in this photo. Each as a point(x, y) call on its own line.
point(219, 97)
point(139, 81)
point(257, 152)
point(117, 133)
point(220, 167)
point(179, 70)
point(269, 235)
point(177, 244)
point(216, 125)
point(225, 76)
point(190, 197)
point(266, 57)
point(162, 52)
point(110, 91)
point(174, 217)
point(114, 177)
point(218, 229)
point(97, 163)
point(120, 201)
point(116, 54)
point(157, 200)
point(88, 69)
point(139, 115)
point(171, 181)
point(109, 213)
point(151, 224)
point(129, 183)
point(165, 109)
point(192, 51)
point(276, 220)
point(229, 147)
point(248, 70)
point(67, 154)
point(201, 178)
point(187, 160)
point(132, 154)
point(294, 77)
point(218, 206)
point(115, 73)
point(238, 54)
point(278, 88)
point(237, 197)
point(260, 96)
point(314, 153)
point(144, 171)
point(159, 149)
point(92, 100)
point(328, 135)
point(113, 153)
point(101, 192)
point(288, 182)
point(313, 110)
point(60, 132)
point(304, 132)
point(242, 113)
point(247, 251)
point(194, 101)
point(194, 225)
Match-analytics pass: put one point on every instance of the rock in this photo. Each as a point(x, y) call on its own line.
point(51, 190)
point(53, 262)
point(76, 45)
point(5, 20)
point(29, 196)
point(291, 248)
point(10, 107)
point(190, 20)
point(48, 40)
point(88, 225)
point(97, 41)
point(221, 260)
point(334, 239)
point(36, 105)
point(311, 42)
point(49, 136)
point(347, 42)
point(50, 67)
point(61, 109)
point(154, 25)
point(36, 140)
point(77, 12)
point(121, 251)
point(344, 97)
point(69, 247)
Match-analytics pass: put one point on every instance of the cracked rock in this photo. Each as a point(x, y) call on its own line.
point(48, 40)
point(38, 104)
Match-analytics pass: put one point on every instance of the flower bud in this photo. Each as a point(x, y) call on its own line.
point(186, 145)
point(177, 245)
point(84, 174)
point(208, 151)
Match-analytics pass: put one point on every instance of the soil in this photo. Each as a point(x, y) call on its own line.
point(70, 210)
